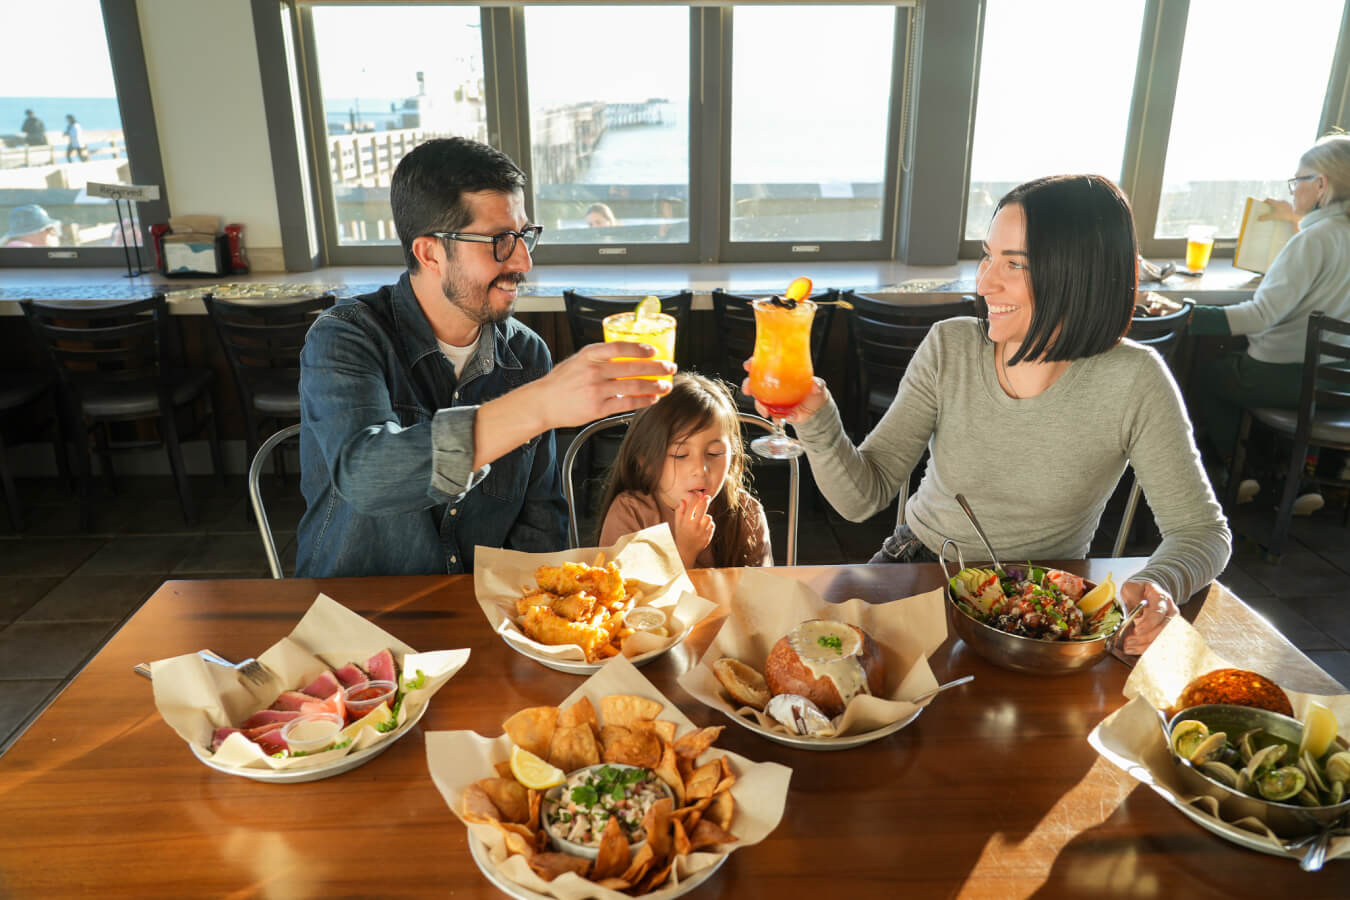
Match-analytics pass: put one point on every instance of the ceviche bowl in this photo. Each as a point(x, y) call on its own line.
point(1033, 655)
point(1287, 819)
point(557, 798)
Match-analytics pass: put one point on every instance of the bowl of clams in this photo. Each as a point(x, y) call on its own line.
point(1291, 775)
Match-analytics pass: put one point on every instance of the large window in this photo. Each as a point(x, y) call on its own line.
point(60, 128)
point(1248, 102)
point(1053, 96)
point(810, 111)
point(609, 123)
point(382, 97)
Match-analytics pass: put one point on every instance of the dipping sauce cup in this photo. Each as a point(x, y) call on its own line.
point(364, 697)
point(311, 732)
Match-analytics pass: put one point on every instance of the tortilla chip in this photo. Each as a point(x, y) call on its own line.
point(612, 858)
point(656, 823)
point(519, 839)
point(536, 803)
point(689, 816)
point(549, 866)
point(509, 796)
point(532, 729)
point(703, 783)
point(708, 833)
point(615, 884)
point(679, 840)
point(664, 730)
point(579, 713)
point(573, 747)
point(695, 742)
point(722, 809)
point(685, 766)
point(478, 806)
point(655, 878)
point(668, 771)
point(623, 709)
point(503, 769)
point(642, 861)
point(633, 748)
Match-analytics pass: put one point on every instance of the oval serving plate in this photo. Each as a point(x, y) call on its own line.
point(520, 892)
point(801, 742)
point(314, 773)
point(579, 666)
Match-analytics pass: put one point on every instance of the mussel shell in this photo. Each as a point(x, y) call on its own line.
point(1210, 748)
point(1307, 798)
point(1246, 744)
point(1313, 772)
point(1220, 772)
point(1336, 794)
point(1338, 766)
point(1187, 735)
point(1265, 758)
point(1282, 784)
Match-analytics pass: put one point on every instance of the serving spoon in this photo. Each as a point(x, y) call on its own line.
point(970, 514)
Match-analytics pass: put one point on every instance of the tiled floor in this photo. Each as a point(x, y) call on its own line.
point(63, 593)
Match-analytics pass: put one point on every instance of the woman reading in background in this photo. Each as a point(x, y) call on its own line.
point(1035, 415)
point(1310, 274)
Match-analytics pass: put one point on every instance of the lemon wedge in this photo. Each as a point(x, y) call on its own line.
point(533, 772)
point(1319, 730)
point(377, 716)
point(800, 289)
point(1098, 597)
point(649, 307)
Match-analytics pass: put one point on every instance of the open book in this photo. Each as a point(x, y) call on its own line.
point(1260, 242)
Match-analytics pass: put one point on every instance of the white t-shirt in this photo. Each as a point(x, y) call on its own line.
point(458, 355)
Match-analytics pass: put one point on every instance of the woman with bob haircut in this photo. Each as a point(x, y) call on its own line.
point(1035, 412)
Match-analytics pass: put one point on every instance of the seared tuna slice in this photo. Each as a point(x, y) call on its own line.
point(219, 737)
point(323, 687)
point(351, 674)
point(254, 733)
point(268, 716)
point(382, 668)
point(291, 700)
point(271, 742)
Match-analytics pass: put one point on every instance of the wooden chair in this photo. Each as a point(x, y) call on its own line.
point(1164, 334)
point(734, 321)
point(1322, 419)
point(262, 342)
point(121, 362)
point(584, 436)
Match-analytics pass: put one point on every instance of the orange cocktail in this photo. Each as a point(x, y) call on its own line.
point(780, 371)
point(1199, 245)
point(657, 329)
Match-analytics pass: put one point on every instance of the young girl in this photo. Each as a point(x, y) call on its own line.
point(682, 462)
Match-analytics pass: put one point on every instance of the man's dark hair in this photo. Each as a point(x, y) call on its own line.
point(427, 189)
point(1082, 258)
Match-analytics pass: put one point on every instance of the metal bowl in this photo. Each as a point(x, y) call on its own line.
point(1035, 656)
point(553, 797)
point(1285, 819)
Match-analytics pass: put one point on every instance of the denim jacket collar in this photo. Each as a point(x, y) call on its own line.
point(419, 341)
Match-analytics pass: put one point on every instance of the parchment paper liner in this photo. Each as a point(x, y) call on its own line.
point(457, 759)
point(196, 697)
point(1133, 734)
point(650, 556)
point(765, 607)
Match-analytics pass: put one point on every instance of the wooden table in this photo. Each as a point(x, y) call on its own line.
point(992, 792)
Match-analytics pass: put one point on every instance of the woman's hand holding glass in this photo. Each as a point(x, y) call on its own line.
point(812, 403)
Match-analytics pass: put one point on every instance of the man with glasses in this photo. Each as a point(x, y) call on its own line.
point(427, 411)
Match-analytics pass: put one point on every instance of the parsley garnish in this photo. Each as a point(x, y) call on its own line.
point(833, 642)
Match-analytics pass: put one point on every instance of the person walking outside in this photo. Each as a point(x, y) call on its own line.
point(75, 141)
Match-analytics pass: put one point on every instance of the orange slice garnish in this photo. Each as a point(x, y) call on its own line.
point(800, 289)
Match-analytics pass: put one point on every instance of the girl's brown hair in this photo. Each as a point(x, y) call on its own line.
point(694, 403)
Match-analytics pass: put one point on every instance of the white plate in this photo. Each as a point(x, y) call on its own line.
point(581, 667)
point(1230, 833)
point(848, 742)
point(509, 887)
point(314, 773)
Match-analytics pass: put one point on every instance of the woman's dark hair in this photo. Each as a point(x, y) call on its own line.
point(1082, 258)
point(694, 403)
point(426, 191)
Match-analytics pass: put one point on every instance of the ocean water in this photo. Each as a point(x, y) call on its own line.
point(93, 113)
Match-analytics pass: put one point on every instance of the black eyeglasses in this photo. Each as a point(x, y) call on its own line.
point(1293, 182)
point(503, 245)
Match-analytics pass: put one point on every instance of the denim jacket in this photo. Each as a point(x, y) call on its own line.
point(386, 445)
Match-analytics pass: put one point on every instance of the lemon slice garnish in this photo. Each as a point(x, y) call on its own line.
point(649, 307)
point(1098, 597)
point(377, 716)
point(800, 289)
point(533, 772)
point(1319, 730)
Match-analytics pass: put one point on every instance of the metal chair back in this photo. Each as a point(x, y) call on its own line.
point(622, 420)
point(255, 495)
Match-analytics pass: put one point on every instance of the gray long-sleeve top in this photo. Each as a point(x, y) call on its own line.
point(1038, 472)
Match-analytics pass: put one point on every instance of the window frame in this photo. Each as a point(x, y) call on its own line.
point(131, 83)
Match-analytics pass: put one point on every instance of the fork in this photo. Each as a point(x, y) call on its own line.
point(250, 668)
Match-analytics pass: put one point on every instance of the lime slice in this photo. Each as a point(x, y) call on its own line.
point(533, 772)
point(800, 289)
point(1319, 730)
point(1098, 597)
point(649, 307)
point(377, 716)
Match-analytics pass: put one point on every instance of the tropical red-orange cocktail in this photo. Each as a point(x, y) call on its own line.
point(780, 370)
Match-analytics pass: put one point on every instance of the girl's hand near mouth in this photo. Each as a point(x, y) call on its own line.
point(693, 528)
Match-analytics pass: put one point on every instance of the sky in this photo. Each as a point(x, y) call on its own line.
point(54, 48)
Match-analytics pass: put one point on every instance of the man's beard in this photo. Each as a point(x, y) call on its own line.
point(475, 302)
